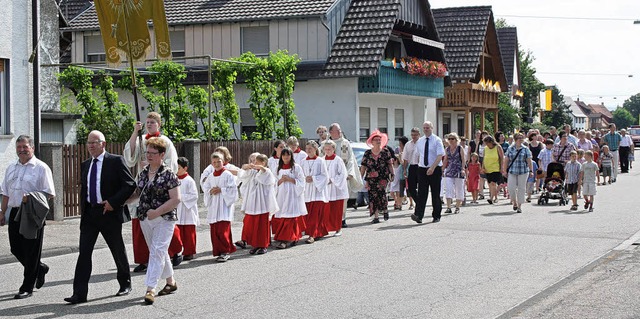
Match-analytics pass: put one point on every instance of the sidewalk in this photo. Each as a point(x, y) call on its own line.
point(61, 237)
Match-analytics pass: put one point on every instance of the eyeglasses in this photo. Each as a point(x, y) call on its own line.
point(151, 153)
point(93, 142)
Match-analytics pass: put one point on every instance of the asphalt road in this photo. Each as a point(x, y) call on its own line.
point(486, 262)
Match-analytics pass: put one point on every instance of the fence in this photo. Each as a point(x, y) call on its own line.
point(74, 155)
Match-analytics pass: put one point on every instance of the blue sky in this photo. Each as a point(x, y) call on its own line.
point(610, 49)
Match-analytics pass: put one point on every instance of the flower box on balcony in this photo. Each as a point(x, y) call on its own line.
point(396, 81)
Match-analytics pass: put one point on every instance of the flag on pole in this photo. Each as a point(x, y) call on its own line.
point(123, 23)
point(545, 100)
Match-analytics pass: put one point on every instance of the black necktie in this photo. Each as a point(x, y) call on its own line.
point(93, 185)
point(426, 152)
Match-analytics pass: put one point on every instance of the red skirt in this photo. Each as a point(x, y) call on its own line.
point(188, 236)
point(221, 241)
point(287, 229)
point(140, 249)
point(255, 230)
point(315, 224)
point(332, 217)
point(175, 247)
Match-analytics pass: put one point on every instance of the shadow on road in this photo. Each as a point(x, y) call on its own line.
point(499, 214)
point(57, 310)
point(569, 212)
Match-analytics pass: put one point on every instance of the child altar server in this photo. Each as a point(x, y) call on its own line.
point(298, 154)
point(188, 218)
point(226, 162)
point(337, 190)
point(274, 160)
point(315, 192)
point(288, 222)
point(220, 195)
point(258, 200)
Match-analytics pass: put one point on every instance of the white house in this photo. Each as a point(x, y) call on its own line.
point(341, 43)
point(579, 119)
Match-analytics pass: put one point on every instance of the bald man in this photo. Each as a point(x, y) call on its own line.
point(106, 185)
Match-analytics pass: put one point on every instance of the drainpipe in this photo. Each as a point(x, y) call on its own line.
point(34, 59)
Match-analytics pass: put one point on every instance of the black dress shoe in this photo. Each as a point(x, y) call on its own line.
point(22, 295)
point(344, 224)
point(435, 220)
point(75, 300)
point(123, 291)
point(176, 260)
point(140, 268)
point(43, 272)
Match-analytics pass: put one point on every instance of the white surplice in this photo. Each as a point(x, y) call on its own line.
point(290, 196)
point(299, 157)
point(338, 187)
point(315, 191)
point(188, 207)
point(220, 207)
point(209, 169)
point(272, 162)
point(258, 193)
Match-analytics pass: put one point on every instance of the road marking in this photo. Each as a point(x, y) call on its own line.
point(632, 240)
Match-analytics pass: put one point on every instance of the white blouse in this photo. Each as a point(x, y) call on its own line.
point(258, 193)
point(220, 207)
point(317, 189)
point(290, 196)
point(188, 207)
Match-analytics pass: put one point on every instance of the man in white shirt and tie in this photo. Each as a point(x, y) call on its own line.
point(430, 151)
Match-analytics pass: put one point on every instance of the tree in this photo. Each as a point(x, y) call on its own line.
point(560, 113)
point(508, 117)
point(100, 108)
point(632, 104)
point(623, 118)
point(530, 85)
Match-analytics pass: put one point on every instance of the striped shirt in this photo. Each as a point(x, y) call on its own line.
point(613, 140)
point(572, 172)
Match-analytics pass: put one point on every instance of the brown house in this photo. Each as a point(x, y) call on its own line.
point(475, 65)
point(599, 115)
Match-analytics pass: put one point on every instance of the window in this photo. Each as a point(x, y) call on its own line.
point(248, 122)
point(94, 49)
point(446, 123)
point(399, 123)
point(365, 125)
point(255, 40)
point(177, 43)
point(383, 117)
point(4, 96)
point(461, 127)
point(393, 50)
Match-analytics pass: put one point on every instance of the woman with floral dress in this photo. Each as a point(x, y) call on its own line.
point(377, 170)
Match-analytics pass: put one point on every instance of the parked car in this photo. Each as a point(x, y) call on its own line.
point(634, 131)
point(358, 199)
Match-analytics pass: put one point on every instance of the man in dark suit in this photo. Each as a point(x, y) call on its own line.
point(106, 185)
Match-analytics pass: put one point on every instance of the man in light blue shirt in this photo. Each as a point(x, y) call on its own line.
point(430, 151)
point(570, 138)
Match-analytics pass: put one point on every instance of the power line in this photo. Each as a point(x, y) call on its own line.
point(581, 73)
point(566, 18)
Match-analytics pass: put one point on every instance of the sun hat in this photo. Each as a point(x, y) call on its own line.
point(384, 139)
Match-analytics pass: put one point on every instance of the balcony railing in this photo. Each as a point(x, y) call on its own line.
point(395, 81)
point(465, 95)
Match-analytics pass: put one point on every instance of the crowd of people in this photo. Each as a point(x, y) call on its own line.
point(298, 192)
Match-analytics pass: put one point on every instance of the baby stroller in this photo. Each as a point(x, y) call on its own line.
point(553, 187)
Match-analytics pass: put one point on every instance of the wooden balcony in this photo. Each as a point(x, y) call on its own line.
point(468, 96)
point(395, 81)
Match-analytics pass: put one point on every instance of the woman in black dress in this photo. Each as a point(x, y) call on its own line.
point(377, 170)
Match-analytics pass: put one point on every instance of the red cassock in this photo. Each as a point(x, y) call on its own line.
point(255, 230)
point(140, 249)
point(287, 229)
point(314, 219)
point(188, 236)
point(221, 241)
point(333, 215)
